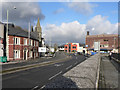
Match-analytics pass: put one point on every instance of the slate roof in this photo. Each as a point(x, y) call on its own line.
point(18, 31)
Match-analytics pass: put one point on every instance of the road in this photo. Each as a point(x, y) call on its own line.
point(59, 55)
point(39, 76)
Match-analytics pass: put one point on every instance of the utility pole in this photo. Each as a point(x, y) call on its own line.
point(29, 33)
point(7, 36)
point(7, 53)
point(50, 44)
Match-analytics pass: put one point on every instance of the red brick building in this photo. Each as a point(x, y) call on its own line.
point(107, 41)
point(70, 47)
point(20, 46)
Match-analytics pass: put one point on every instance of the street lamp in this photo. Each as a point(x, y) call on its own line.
point(7, 54)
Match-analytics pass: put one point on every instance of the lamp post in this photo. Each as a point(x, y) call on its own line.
point(7, 54)
point(7, 36)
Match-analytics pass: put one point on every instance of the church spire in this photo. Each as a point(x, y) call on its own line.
point(38, 29)
point(38, 23)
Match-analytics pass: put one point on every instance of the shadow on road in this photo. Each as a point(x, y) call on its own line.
point(61, 82)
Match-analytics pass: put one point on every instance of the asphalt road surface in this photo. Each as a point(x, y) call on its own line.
point(59, 55)
point(39, 76)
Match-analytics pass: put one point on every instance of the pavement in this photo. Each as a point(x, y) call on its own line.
point(116, 56)
point(109, 73)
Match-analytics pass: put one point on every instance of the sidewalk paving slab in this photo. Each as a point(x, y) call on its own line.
point(109, 74)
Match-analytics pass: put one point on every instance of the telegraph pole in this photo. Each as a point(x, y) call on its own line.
point(7, 36)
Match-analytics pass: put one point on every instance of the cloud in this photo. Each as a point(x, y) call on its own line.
point(60, 10)
point(76, 32)
point(66, 32)
point(24, 12)
point(82, 7)
point(102, 25)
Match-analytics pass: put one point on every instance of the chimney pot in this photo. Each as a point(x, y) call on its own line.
point(87, 32)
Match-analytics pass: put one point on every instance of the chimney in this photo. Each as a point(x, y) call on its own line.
point(31, 28)
point(87, 32)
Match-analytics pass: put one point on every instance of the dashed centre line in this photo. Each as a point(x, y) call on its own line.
point(35, 87)
point(42, 86)
point(68, 67)
point(55, 75)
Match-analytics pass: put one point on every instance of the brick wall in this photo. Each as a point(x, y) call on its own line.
point(110, 40)
point(21, 47)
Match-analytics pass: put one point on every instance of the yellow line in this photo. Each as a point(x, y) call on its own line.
point(32, 66)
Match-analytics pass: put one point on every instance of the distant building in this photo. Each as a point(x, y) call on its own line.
point(82, 50)
point(108, 42)
point(61, 48)
point(71, 47)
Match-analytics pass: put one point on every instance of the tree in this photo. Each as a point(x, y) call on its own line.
point(55, 47)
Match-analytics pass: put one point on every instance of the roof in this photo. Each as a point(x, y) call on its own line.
point(103, 35)
point(18, 31)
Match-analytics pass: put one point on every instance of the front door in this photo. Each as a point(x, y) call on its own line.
point(25, 54)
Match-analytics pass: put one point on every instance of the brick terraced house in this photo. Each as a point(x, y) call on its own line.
point(20, 46)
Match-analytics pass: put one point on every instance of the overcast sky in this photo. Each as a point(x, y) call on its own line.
point(64, 22)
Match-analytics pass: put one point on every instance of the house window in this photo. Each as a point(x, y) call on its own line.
point(73, 50)
point(25, 41)
point(74, 47)
point(16, 53)
point(30, 42)
point(30, 54)
point(36, 54)
point(105, 39)
point(34, 43)
point(106, 45)
point(17, 41)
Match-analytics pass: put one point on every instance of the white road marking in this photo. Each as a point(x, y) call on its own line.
point(57, 65)
point(55, 75)
point(35, 87)
point(69, 67)
point(42, 86)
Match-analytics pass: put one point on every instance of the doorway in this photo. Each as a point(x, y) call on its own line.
point(25, 54)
